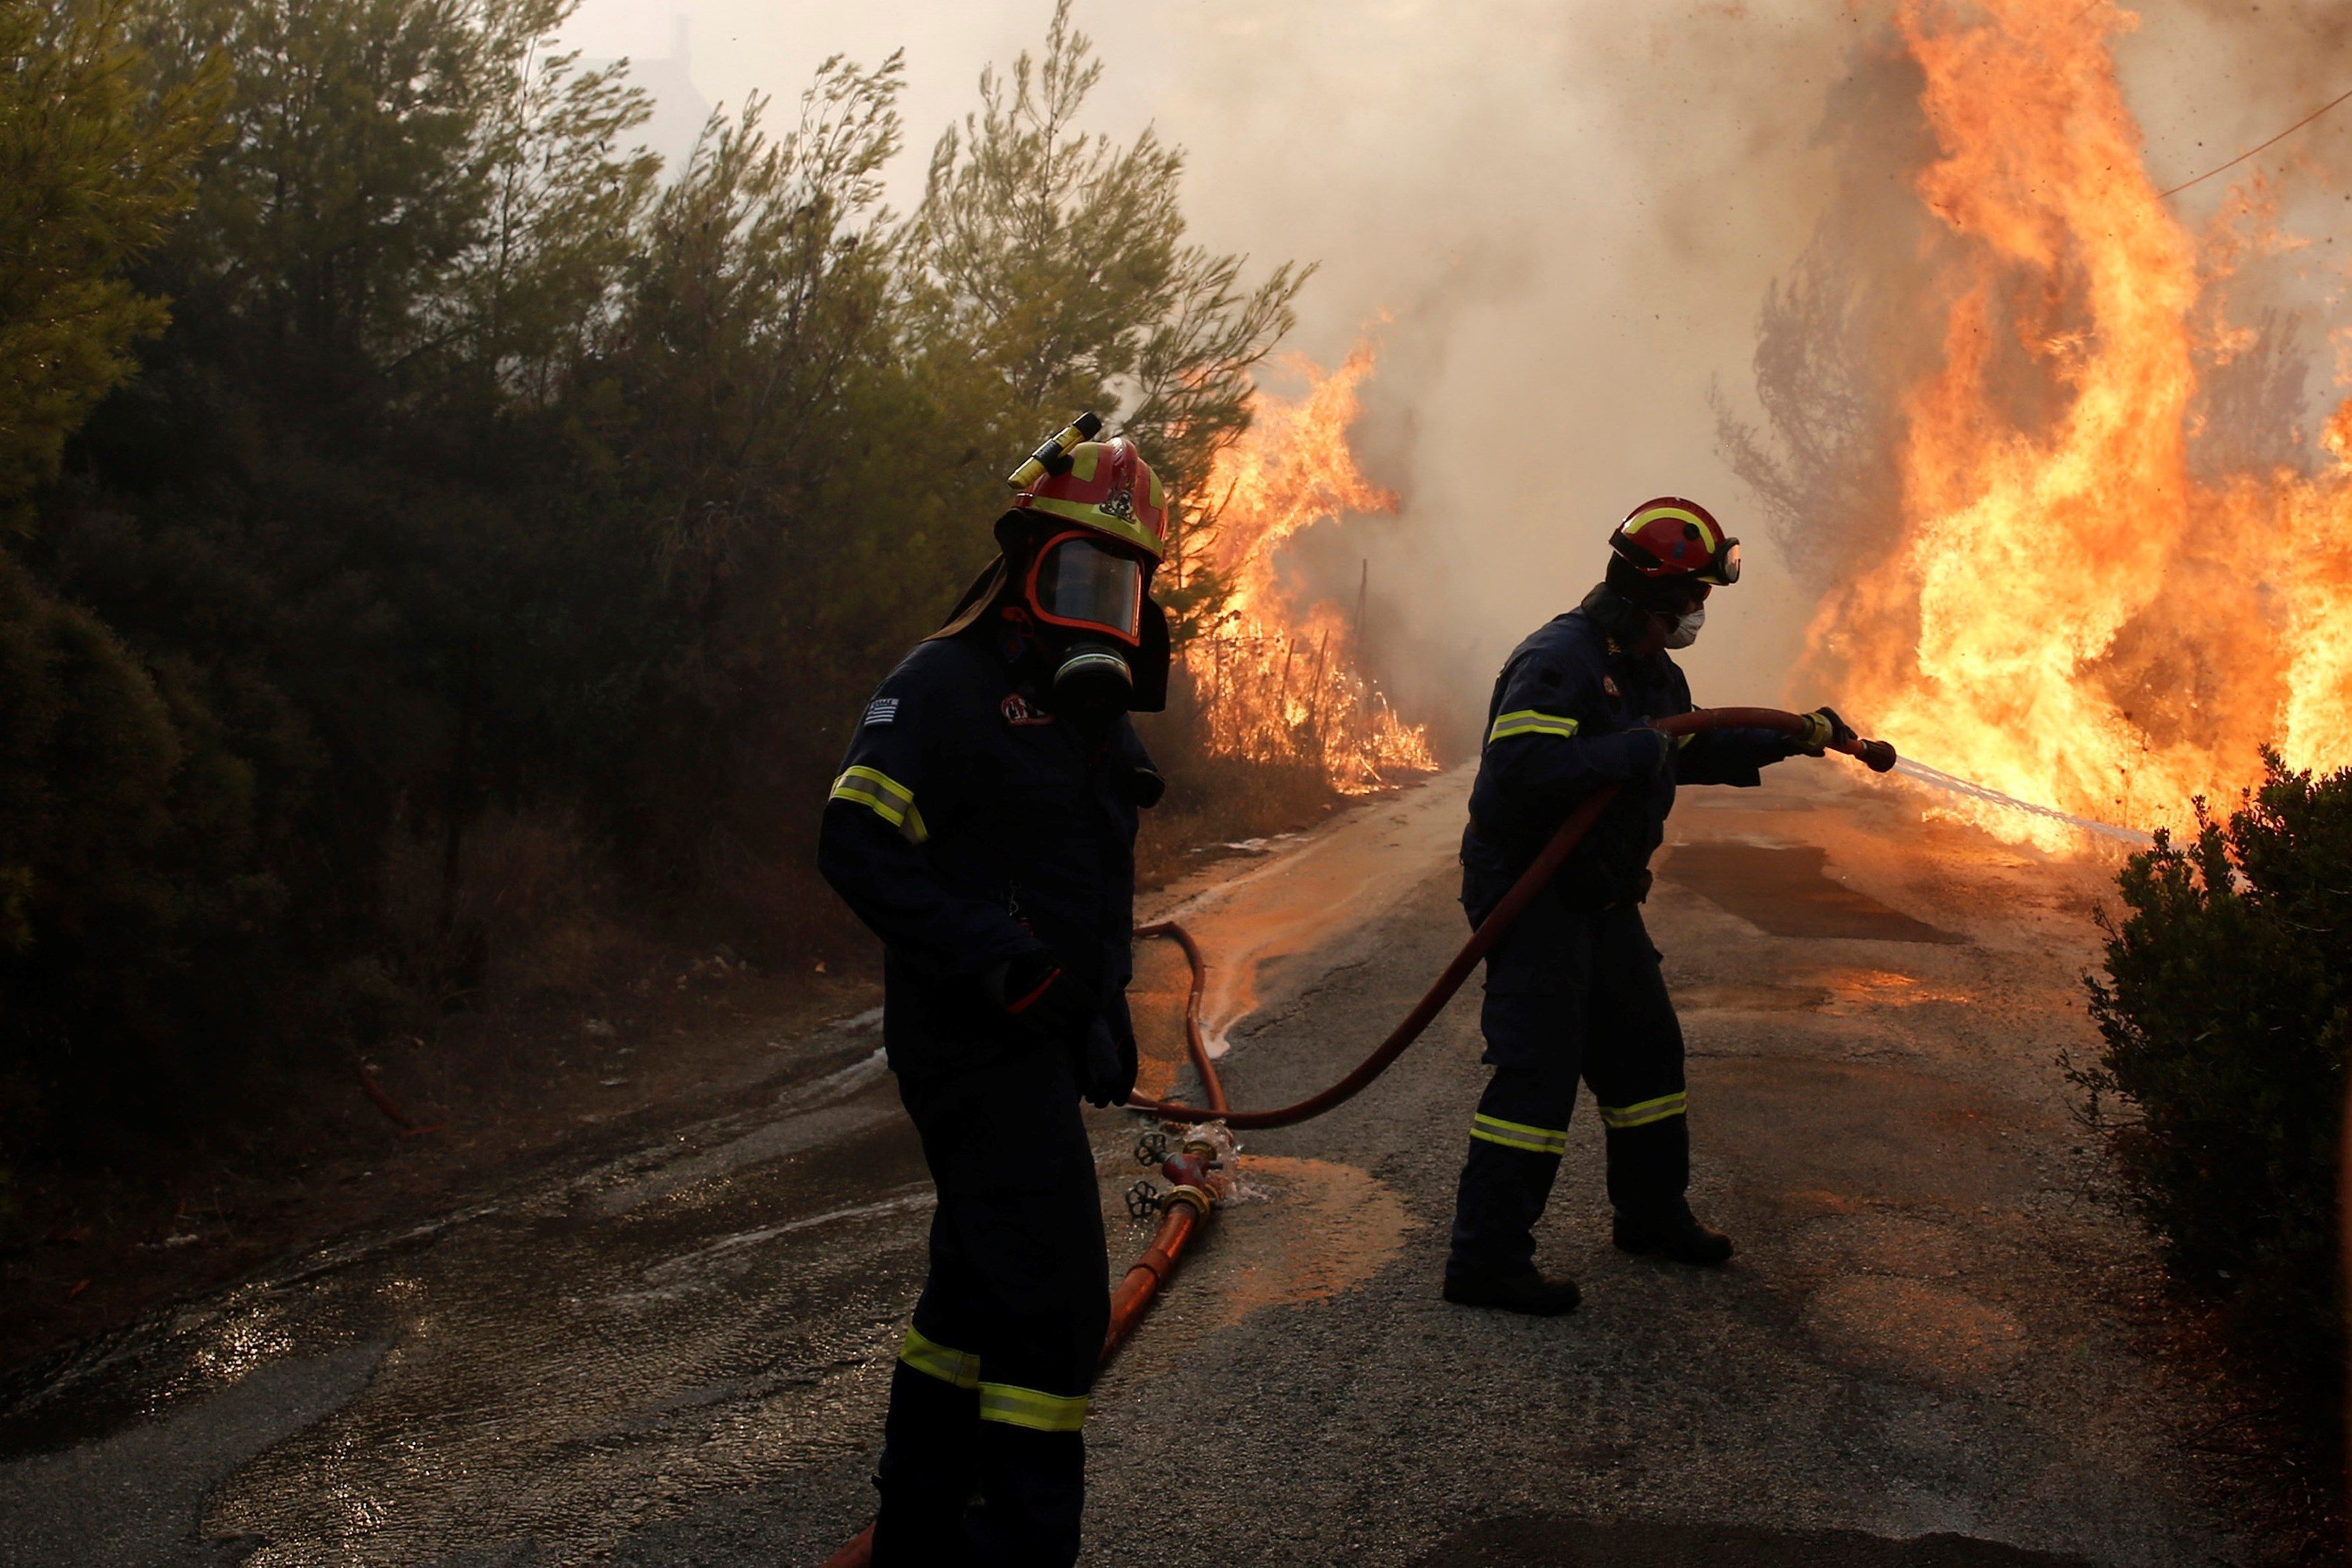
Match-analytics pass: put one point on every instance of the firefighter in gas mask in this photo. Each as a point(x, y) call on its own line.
point(983, 824)
point(1573, 987)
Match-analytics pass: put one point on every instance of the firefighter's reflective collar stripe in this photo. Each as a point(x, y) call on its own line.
point(932, 1359)
point(1528, 722)
point(1040, 1412)
point(1647, 1111)
point(885, 796)
point(1520, 1135)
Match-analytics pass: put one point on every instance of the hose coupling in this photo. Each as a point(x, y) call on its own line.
point(1185, 1193)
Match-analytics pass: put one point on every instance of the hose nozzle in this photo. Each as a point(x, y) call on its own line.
point(1876, 755)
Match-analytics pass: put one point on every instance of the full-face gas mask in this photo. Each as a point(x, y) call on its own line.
point(1087, 597)
point(1088, 523)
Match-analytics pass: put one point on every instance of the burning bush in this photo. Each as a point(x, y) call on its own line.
point(2226, 1013)
point(1275, 681)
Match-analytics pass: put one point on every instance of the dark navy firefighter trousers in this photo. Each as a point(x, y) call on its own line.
point(1571, 993)
point(1008, 1326)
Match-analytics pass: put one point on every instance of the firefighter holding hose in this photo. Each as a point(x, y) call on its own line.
point(983, 824)
point(1573, 987)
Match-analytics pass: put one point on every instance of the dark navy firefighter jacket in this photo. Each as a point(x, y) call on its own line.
point(1559, 726)
point(970, 825)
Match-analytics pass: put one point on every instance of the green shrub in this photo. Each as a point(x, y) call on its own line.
point(2225, 1013)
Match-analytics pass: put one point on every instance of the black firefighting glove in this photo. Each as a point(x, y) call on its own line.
point(1629, 756)
point(1824, 728)
point(1107, 1065)
point(1046, 1005)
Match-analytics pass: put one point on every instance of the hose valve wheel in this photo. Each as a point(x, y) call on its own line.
point(1142, 1200)
point(1150, 1148)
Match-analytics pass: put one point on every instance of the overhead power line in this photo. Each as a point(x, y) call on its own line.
point(2250, 152)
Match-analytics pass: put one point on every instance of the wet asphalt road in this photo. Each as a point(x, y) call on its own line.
point(678, 1356)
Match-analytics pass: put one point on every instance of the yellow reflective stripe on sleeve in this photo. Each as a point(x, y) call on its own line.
point(1520, 1135)
point(933, 1359)
point(885, 796)
point(1528, 722)
point(1017, 1406)
point(1647, 1111)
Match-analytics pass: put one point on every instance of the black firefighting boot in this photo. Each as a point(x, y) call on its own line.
point(1677, 1239)
point(1649, 1167)
point(1492, 1263)
point(1530, 1293)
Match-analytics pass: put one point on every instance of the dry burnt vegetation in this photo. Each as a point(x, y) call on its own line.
point(443, 547)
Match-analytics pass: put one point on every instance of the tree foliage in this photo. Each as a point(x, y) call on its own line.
point(1055, 265)
point(96, 167)
point(488, 473)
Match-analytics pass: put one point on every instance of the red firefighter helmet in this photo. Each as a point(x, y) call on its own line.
point(1668, 538)
point(1108, 487)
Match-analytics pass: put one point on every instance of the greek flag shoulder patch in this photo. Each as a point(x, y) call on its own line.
point(882, 710)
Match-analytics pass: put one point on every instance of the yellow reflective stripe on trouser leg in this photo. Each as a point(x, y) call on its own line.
point(1647, 1111)
point(1520, 1135)
point(1528, 722)
point(885, 796)
point(1018, 1406)
point(928, 1356)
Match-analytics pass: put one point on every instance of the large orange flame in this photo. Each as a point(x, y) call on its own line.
point(1279, 681)
point(2074, 617)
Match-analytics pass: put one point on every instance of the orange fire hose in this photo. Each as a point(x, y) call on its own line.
point(1188, 1206)
point(1210, 1089)
point(1878, 754)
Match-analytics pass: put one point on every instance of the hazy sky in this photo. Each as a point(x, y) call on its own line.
point(1570, 209)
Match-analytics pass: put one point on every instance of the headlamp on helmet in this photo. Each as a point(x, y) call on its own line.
point(1077, 480)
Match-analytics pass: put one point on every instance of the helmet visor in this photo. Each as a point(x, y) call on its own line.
point(1080, 584)
point(1725, 565)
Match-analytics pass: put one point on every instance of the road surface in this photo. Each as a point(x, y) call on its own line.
point(678, 1354)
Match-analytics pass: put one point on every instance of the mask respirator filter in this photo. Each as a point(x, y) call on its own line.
point(1093, 680)
point(1686, 627)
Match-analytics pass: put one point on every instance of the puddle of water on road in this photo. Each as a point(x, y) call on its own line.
point(1865, 989)
point(1784, 889)
point(1328, 1227)
point(540, 1388)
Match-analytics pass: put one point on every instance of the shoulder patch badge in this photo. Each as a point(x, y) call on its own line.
point(882, 710)
point(1017, 710)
